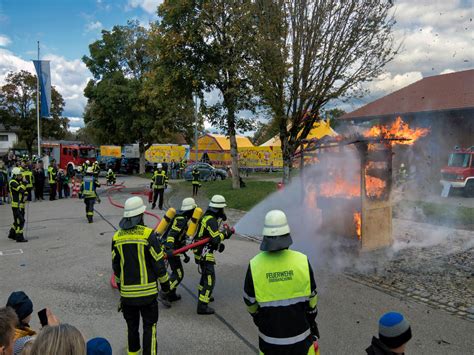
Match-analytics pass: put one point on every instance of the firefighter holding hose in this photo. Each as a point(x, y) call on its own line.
point(88, 192)
point(138, 264)
point(175, 237)
point(280, 292)
point(204, 255)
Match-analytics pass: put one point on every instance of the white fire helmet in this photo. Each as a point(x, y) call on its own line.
point(159, 166)
point(16, 171)
point(188, 204)
point(276, 232)
point(88, 162)
point(217, 201)
point(134, 206)
point(110, 171)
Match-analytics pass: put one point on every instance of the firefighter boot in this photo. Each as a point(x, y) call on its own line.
point(11, 234)
point(203, 308)
point(89, 219)
point(173, 296)
point(21, 239)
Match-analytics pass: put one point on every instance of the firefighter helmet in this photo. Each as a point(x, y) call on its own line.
point(217, 201)
point(16, 171)
point(276, 232)
point(110, 171)
point(188, 204)
point(159, 166)
point(134, 206)
point(88, 162)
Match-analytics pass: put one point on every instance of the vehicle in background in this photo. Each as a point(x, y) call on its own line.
point(69, 156)
point(130, 166)
point(113, 163)
point(206, 172)
point(459, 174)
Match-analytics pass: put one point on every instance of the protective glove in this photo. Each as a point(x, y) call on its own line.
point(228, 231)
point(224, 217)
point(186, 258)
point(221, 247)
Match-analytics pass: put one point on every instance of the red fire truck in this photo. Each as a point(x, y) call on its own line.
point(69, 155)
point(459, 174)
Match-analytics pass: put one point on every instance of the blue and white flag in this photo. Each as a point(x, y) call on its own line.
point(44, 75)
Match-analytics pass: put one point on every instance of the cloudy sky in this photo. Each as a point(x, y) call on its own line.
point(436, 37)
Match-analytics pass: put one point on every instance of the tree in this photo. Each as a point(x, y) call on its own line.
point(309, 52)
point(126, 101)
point(18, 109)
point(208, 43)
point(264, 132)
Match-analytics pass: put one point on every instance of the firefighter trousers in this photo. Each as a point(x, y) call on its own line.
point(158, 193)
point(208, 280)
point(195, 189)
point(149, 314)
point(52, 191)
point(89, 202)
point(177, 272)
point(29, 190)
point(16, 231)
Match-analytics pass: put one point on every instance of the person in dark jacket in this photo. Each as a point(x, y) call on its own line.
point(39, 176)
point(394, 334)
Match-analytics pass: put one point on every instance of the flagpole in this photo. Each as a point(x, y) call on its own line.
point(38, 108)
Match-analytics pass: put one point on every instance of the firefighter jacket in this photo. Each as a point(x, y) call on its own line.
point(209, 227)
point(29, 179)
point(88, 187)
point(195, 176)
point(52, 174)
point(17, 193)
point(280, 294)
point(96, 167)
point(137, 261)
point(110, 176)
point(175, 236)
point(159, 179)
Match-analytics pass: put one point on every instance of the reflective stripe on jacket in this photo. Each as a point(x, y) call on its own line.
point(17, 193)
point(159, 179)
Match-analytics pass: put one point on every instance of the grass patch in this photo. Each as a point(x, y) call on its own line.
point(241, 199)
point(146, 175)
point(436, 213)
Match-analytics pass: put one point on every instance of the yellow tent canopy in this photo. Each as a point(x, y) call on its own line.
point(320, 129)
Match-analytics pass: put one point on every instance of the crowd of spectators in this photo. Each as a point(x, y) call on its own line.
point(55, 338)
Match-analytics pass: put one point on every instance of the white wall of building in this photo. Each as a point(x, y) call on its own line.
point(7, 140)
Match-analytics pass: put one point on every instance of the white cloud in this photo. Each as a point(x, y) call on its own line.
point(436, 38)
point(149, 6)
point(93, 26)
point(68, 76)
point(4, 41)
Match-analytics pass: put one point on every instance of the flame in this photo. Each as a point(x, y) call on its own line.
point(340, 187)
point(358, 224)
point(374, 186)
point(398, 130)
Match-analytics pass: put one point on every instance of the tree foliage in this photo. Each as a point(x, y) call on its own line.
point(207, 44)
point(309, 52)
point(18, 110)
point(124, 105)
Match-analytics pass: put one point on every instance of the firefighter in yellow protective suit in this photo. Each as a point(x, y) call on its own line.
point(280, 292)
point(204, 255)
point(88, 192)
point(159, 182)
point(175, 238)
point(17, 196)
point(138, 264)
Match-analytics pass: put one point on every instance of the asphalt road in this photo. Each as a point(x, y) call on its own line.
point(66, 266)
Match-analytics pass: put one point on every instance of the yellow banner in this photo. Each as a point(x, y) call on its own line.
point(111, 151)
point(160, 153)
point(260, 157)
